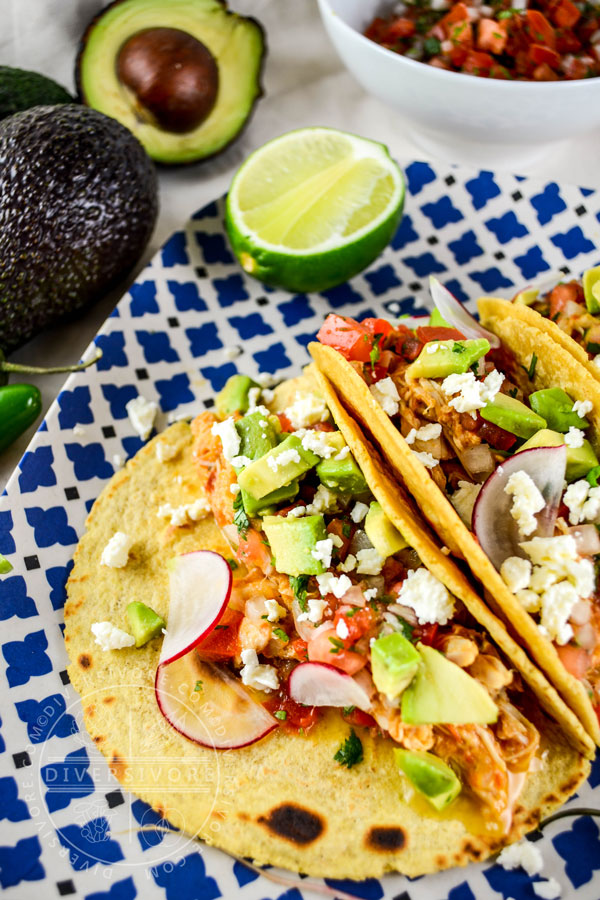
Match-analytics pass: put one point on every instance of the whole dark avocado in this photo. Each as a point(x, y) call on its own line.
point(182, 75)
point(78, 203)
point(21, 90)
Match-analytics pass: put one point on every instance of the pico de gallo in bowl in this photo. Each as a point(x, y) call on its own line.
point(543, 40)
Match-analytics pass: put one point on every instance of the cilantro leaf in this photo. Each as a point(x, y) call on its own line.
point(531, 370)
point(407, 628)
point(199, 685)
point(350, 752)
point(337, 645)
point(240, 519)
point(375, 350)
point(280, 714)
point(298, 584)
point(280, 633)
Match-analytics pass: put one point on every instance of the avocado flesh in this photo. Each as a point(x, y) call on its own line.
point(258, 435)
point(450, 358)
point(436, 320)
point(21, 90)
point(233, 396)
point(441, 692)
point(261, 478)
point(511, 415)
point(236, 43)
point(145, 624)
point(579, 459)
point(342, 475)
point(271, 501)
point(430, 775)
point(386, 539)
point(292, 542)
point(591, 289)
point(526, 297)
point(556, 407)
point(394, 664)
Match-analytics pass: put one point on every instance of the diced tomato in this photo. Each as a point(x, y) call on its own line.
point(223, 641)
point(252, 550)
point(298, 649)
point(322, 426)
point(325, 648)
point(296, 715)
point(458, 13)
point(347, 336)
point(539, 29)
point(477, 63)
point(576, 660)
point(495, 436)
point(428, 333)
point(337, 527)
point(400, 28)
point(359, 719)
point(543, 72)
point(428, 633)
point(564, 13)
point(500, 72)
point(561, 295)
point(461, 36)
point(357, 621)
point(540, 55)
point(491, 35)
point(409, 348)
point(285, 423)
point(567, 41)
point(378, 326)
point(573, 67)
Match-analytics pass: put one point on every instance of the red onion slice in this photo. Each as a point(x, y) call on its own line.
point(587, 539)
point(457, 315)
point(493, 524)
point(319, 684)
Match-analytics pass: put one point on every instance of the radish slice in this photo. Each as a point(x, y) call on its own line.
point(456, 313)
point(202, 701)
point(199, 589)
point(319, 684)
point(493, 524)
point(220, 714)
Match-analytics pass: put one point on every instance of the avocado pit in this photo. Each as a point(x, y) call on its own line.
point(174, 78)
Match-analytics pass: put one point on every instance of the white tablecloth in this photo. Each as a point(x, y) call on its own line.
point(305, 84)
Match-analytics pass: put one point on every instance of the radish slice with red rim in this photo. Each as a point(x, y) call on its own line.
point(457, 315)
point(493, 524)
point(203, 701)
point(319, 684)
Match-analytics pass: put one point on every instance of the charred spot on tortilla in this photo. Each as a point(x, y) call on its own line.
point(472, 850)
point(84, 660)
point(386, 838)
point(301, 826)
point(109, 699)
point(118, 767)
point(99, 738)
point(90, 710)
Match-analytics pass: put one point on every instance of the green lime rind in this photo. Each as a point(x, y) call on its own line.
point(21, 90)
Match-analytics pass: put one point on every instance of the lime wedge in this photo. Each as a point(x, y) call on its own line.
point(313, 207)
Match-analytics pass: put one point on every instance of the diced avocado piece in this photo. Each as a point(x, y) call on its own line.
point(394, 664)
point(269, 501)
point(527, 296)
point(258, 435)
point(591, 289)
point(5, 565)
point(556, 407)
point(144, 623)
point(579, 459)
point(450, 358)
point(280, 466)
point(512, 415)
point(436, 320)
point(292, 542)
point(430, 775)
point(386, 539)
point(342, 475)
point(442, 692)
point(543, 438)
point(233, 396)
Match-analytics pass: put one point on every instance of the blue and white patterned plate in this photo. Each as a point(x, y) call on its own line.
point(67, 827)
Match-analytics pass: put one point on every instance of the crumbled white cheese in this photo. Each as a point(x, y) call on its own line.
point(283, 458)
point(349, 564)
point(557, 605)
point(527, 500)
point(541, 578)
point(524, 854)
point(369, 561)
point(274, 610)
point(426, 432)
point(165, 451)
point(230, 439)
point(296, 512)
point(314, 614)
point(118, 461)
point(574, 438)
point(516, 573)
point(306, 409)
point(583, 502)
point(253, 398)
point(337, 540)
point(551, 552)
point(318, 443)
point(234, 488)
point(358, 512)
point(547, 890)
point(142, 413)
point(231, 352)
point(410, 437)
point(262, 677)
point(116, 552)
point(239, 462)
point(180, 515)
point(429, 598)
point(324, 501)
point(109, 637)
point(344, 452)
point(463, 500)
point(386, 394)
point(529, 600)
point(332, 584)
point(583, 407)
point(268, 395)
point(426, 459)
point(265, 380)
point(322, 552)
point(342, 629)
point(370, 594)
point(596, 361)
point(472, 394)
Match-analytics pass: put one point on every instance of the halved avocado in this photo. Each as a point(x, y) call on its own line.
point(182, 75)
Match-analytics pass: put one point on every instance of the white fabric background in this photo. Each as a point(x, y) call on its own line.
point(304, 85)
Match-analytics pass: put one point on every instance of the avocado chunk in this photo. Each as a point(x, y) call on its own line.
point(144, 623)
point(270, 501)
point(448, 358)
point(526, 297)
point(430, 775)
point(442, 692)
point(233, 396)
point(512, 415)
point(182, 75)
point(84, 186)
point(258, 434)
point(341, 475)
point(436, 320)
point(21, 90)
point(591, 289)
point(292, 542)
point(280, 466)
point(556, 407)
point(579, 459)
point(394, 664)
point(386, 539)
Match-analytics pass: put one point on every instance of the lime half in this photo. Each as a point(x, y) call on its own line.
point(313, 207)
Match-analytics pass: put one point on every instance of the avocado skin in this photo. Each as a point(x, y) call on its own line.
point(21, 90)
point(78, 203)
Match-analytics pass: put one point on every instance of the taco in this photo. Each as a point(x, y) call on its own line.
point(406, 730)
point(454, 417)
point(567, 311)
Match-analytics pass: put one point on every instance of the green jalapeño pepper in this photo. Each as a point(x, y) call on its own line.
point(20, 405)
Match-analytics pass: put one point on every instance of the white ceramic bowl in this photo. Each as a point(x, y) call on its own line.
point(461, 117)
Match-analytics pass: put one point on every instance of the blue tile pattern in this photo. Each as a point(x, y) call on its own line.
point(166, 340)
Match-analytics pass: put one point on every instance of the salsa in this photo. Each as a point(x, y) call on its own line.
point(543, 40)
